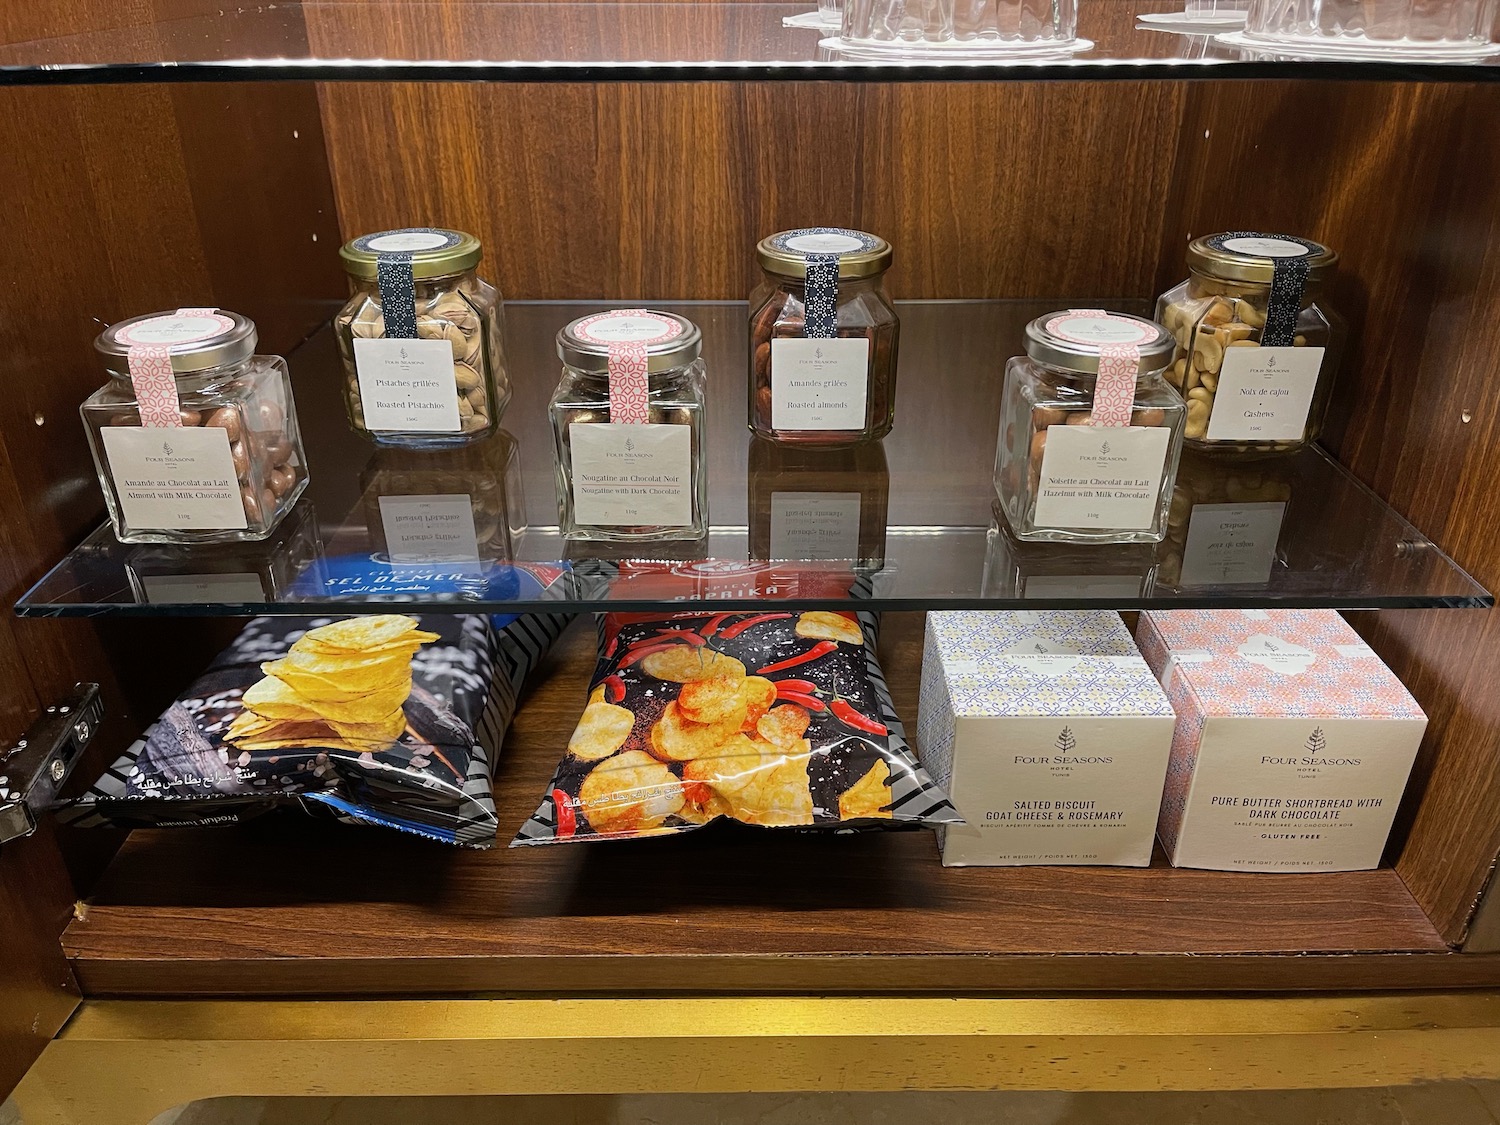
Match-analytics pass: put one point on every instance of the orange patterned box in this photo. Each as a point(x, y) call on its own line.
point(1293, 740)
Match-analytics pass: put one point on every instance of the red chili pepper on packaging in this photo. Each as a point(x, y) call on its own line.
point(822, 648)
point(740, 626)
point(801, 700)
point(567, 819)
point(614, 688)
point(850, 717)
point(636, 655)
point(806, 687)
point(713, 624)
point(613, 646)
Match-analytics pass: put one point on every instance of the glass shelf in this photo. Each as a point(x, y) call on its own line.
point(903, 524)
point(601, 40)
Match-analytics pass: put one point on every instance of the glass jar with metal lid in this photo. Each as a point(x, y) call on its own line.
point(195, 436)
point(1257, 347)
point(1090, 432)
point(627, 423)
point(823, 338)
point(421, 339)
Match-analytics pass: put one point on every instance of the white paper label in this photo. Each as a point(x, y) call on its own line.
point(177, 328)
point(181, 477)
point(814, 525)
point(428, 529)
point(1182, 656)
point(1105, 587)
point(407, 385)
point(1102, 476)
point(632, 475)
point(1266, 246)
point(1277, 654)
point(1295, 794)
point(819, 384)
point(826, 243)
point(203, 589)
point(1231, 544)
point(1264, 394)
point(1356, 652)
point(1067, 789)
point(406, 241)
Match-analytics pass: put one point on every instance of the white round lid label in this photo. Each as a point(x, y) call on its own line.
point(830, 243)
point(1107, 329)
point(407, 241)
point(630, 327)
point(176, 328)
point(1265, 246)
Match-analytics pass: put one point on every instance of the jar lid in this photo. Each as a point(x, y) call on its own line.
point(860, 254)
point(1074, 338)
point(195, 339)
point(1251, 256)
point(671, 341)
point(433, 252)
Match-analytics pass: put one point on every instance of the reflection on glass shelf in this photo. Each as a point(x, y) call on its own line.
point(604, 39)
point(904, 524)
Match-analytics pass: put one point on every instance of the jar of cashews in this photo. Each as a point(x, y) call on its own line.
point(1256, 346)
point(421, 339)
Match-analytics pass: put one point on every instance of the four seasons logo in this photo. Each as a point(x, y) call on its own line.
point(1104, 448)
point(1066, 742)
point(1316, 742)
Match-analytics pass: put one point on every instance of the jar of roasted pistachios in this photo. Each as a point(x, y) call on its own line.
point(627, 422)
point(194, 436)
point(1256, 345)
point(421, 339)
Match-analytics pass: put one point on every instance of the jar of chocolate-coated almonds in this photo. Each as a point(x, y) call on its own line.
point(194, 436)
point(420, 339)
point(823, 338)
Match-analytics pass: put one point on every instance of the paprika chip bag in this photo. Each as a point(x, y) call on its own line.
point(780, 719)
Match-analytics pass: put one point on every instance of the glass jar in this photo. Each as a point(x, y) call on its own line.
point(227, 574)
point(1411, 26)
point(1004, 27)
point(627, 426)
point(1256, 351)
point(818, 504)
point(195, 436)
point(445, 505)
point(823, 338)
point(421, 339)
point(1090, 433)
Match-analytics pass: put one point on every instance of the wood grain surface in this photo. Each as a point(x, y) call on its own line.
point(289, 906)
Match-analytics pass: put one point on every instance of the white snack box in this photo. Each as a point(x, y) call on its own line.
point(1049, 732)
point(1293, 745)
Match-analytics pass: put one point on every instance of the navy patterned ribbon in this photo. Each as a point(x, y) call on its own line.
point(398, 297)
point(822, 297)
point(1288, 284)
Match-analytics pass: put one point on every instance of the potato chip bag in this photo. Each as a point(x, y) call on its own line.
point(774, 718)
point(383, 719)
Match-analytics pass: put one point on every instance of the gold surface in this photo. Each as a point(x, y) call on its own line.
point(123, 1062)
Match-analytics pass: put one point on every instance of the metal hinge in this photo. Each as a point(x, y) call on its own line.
point(34, 769)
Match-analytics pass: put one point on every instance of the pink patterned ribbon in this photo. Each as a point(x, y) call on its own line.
point(155, 384)
point(629, 386)
point(1119, 365)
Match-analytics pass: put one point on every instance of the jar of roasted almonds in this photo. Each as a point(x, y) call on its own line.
point(194, 436)
point(1090, 433)
point(627, 425)
point(1256, 348)
point(420, 339)
point(823, 338)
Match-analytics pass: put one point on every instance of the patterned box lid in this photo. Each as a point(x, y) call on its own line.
point(1060, 662)
point(1273, 662)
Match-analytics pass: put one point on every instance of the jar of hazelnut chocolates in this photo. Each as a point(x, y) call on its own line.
point(1090, 433)
point(194, 436)
point(420, 339)
point(1256, 347)
point(627, 424)
point(823, 338)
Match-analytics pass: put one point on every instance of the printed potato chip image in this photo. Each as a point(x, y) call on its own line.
point(774, 719)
